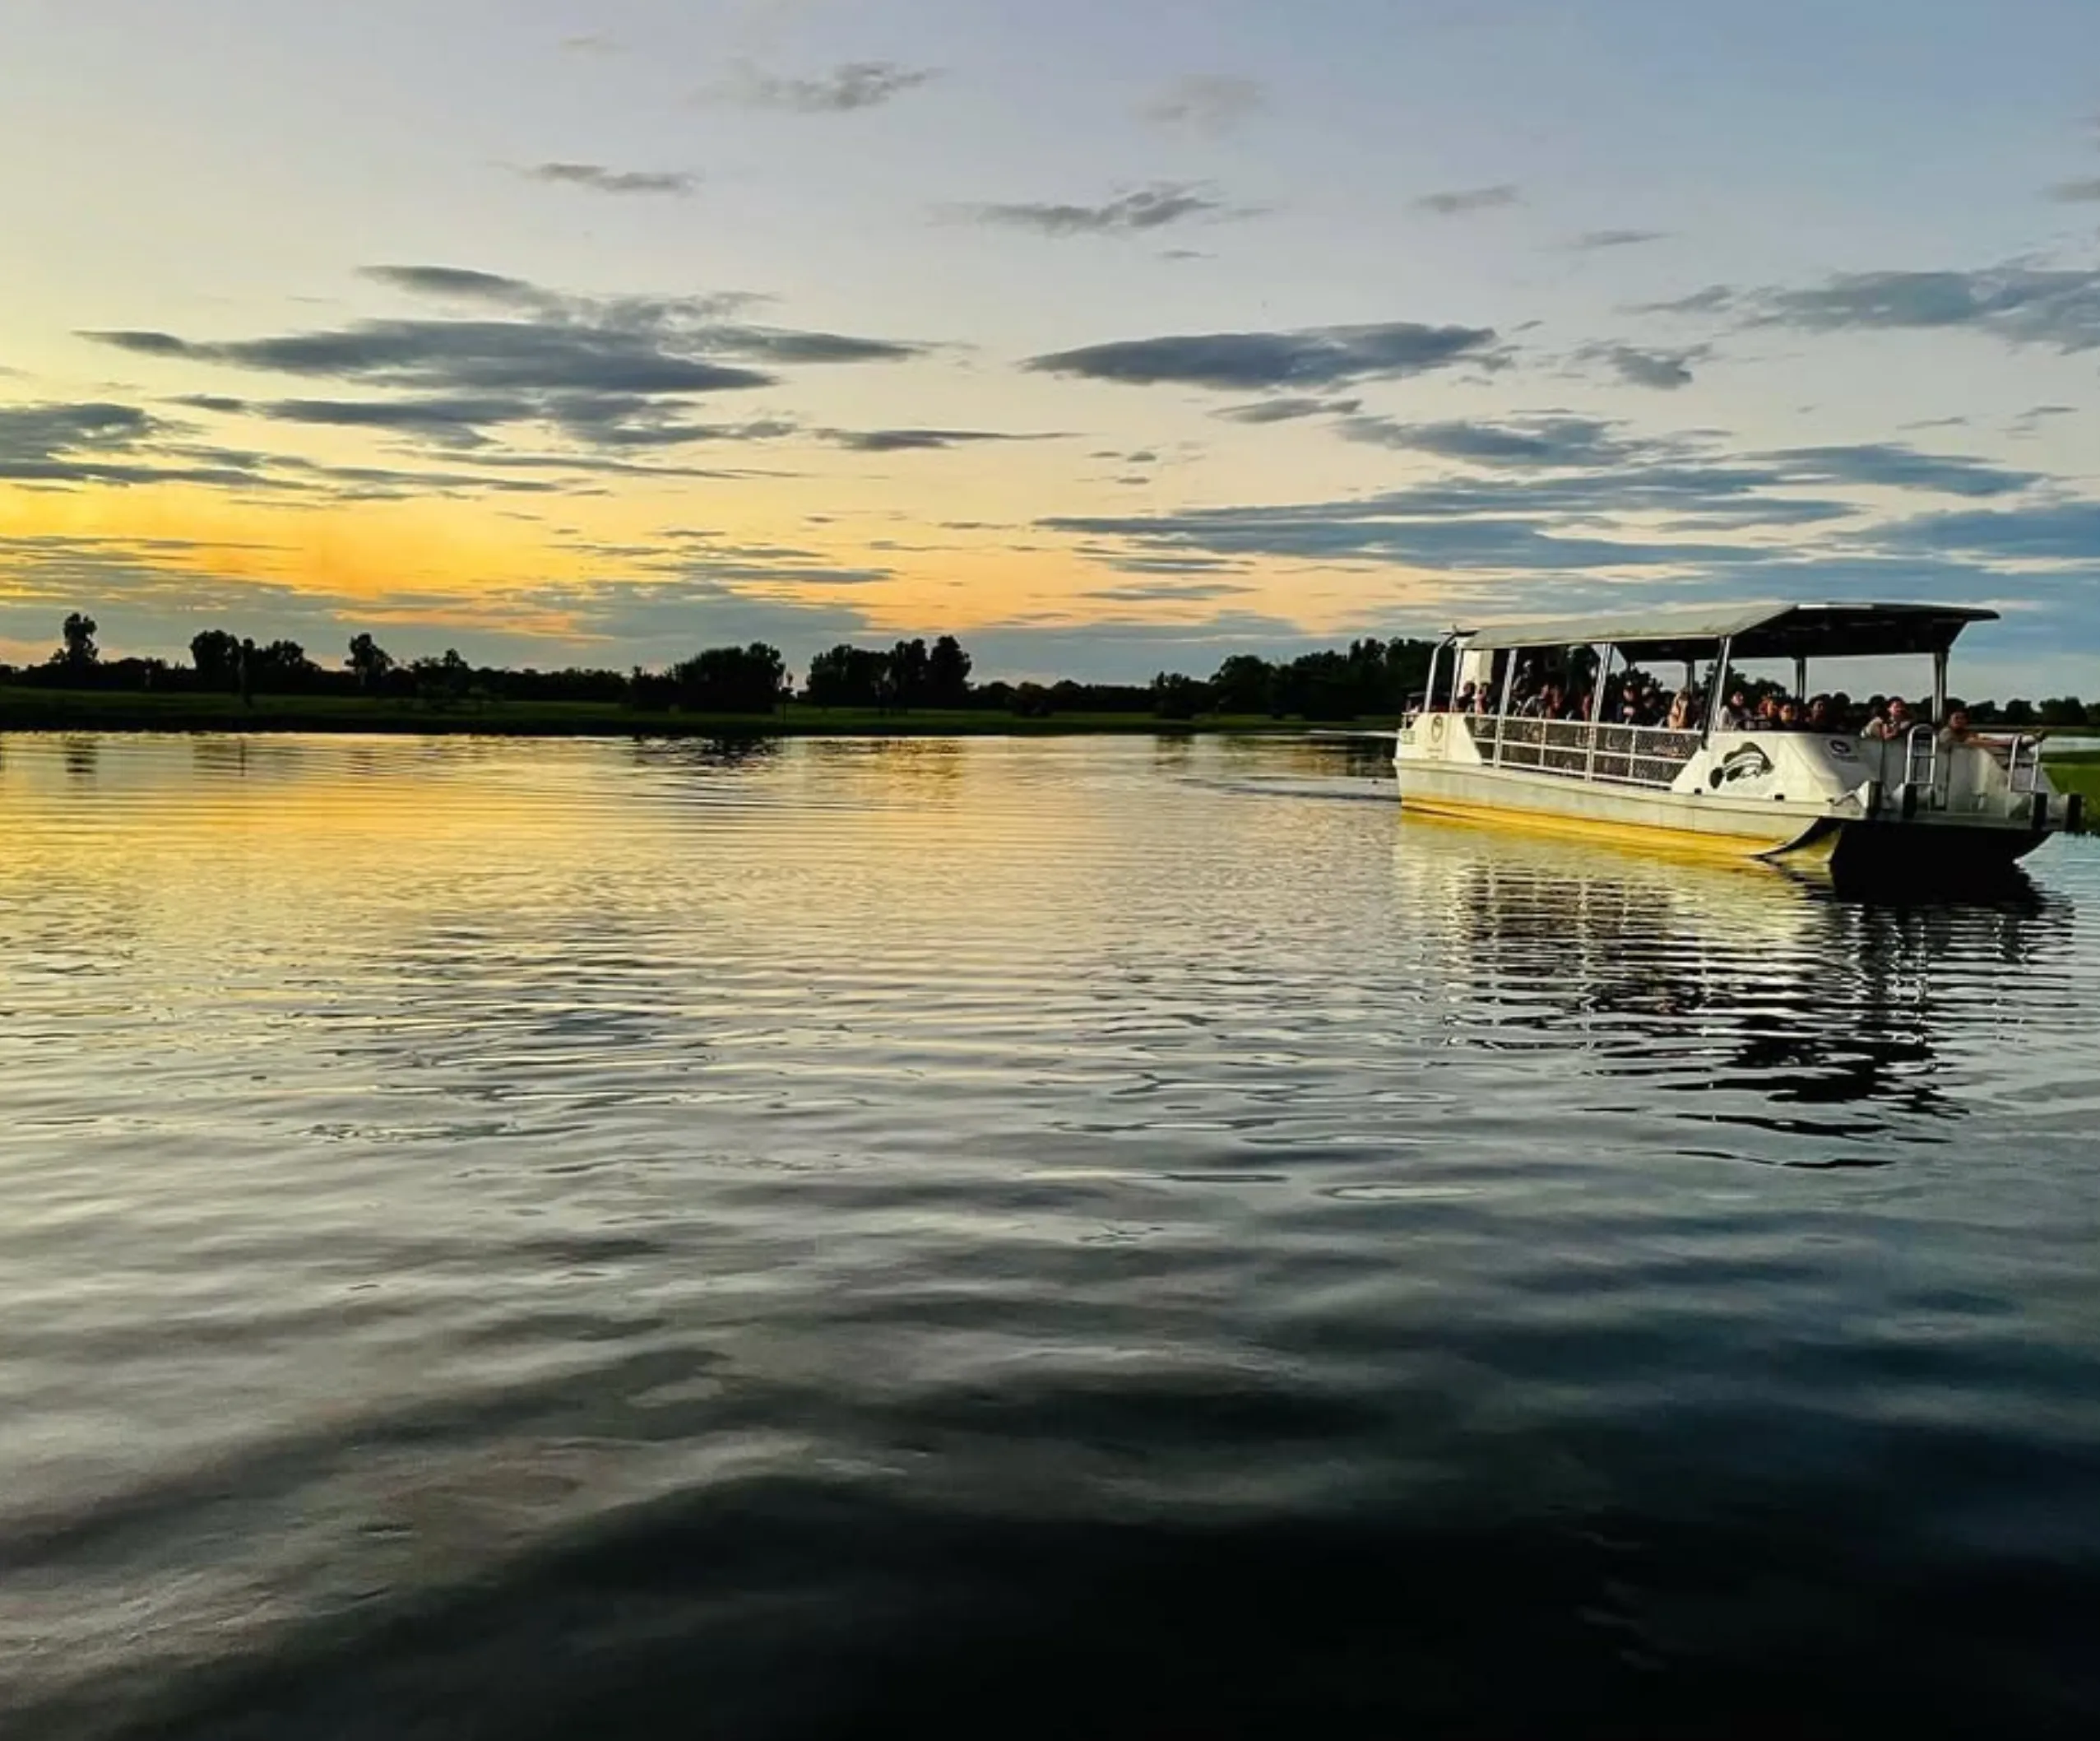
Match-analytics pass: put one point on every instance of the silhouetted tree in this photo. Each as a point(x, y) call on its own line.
point(849, 677)
point(910, 668)
point(1031, 701)
point(77, 650)
point(281, 668)
point(948, 674)
point(444, 681)
point(732, 680)
point(371, 662)
point(1176, 697)
point(215, 654)
point(651, 689)
point(1244, 684)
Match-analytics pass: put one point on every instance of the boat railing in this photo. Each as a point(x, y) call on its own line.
point(1607, 754)
point(2023, 764)
point(1921, 758)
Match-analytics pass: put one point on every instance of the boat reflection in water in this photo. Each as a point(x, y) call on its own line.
point(1779, 1007)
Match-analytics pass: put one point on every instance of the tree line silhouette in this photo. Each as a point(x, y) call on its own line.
point(1370, 678)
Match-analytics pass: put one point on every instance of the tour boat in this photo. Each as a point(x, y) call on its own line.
point(1929, 799)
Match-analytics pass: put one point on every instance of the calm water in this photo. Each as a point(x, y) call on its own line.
point(990, 1238)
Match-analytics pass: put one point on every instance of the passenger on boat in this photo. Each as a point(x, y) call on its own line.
point(1790, 717)
point(1630, 711)
point(1895, 723)
point(1821, 715)
point(1957, 730)
point(1735, 715)
point(1684, 712)
point(1464, 702)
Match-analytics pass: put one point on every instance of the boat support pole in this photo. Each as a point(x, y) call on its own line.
point(1719, 699)
point(1597, 708)
point(1502, 718)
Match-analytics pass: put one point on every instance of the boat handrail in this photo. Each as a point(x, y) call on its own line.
point(1921, 758)
point(1592, 752)
point(2023, 764)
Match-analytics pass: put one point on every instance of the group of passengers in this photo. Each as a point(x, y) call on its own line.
point(1643, 701)
point(1883, 718)
point(1639, 701)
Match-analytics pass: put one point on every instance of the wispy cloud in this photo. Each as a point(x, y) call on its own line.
point(611, 373)
point(122, 446)
point(2057, 307)
point(1546, 441)
point(1460, 201)
point(1591, 241)
point(1896, 465)
point(1640, 366)
point(456, 282)
point(1306, 357)
point(1288, 408)
point(917, 440)
point(592, 42)
point(2049, 531)
point(1556, 493)
point(1129, 214)
point(597, 178)
point(854, 85)
point(2074, 191)
point(1212, 102)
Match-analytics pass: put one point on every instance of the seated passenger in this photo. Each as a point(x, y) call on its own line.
point(1684, 712)
point(1790, 717)
point(1466, 697)
point(1735, 715)
point(1820, 718)
point(1895, 723)
point(1628, 710)
point(1957, 730)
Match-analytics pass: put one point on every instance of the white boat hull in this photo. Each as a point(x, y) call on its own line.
point(1794, 795)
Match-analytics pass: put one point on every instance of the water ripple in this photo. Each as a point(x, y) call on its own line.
point(1032, 1237)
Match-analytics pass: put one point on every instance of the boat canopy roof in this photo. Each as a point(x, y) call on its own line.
point(1771, 632)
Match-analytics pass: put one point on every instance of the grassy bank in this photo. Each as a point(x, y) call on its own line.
point(92, 710)
point(2077, 771)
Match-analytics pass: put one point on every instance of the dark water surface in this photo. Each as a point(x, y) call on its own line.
point(996, 1239)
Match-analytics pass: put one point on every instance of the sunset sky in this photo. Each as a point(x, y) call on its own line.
point(1111, 337)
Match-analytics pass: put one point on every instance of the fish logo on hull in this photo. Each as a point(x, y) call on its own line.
point(1741, 766)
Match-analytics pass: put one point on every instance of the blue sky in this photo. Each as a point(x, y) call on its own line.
point(1109, 337)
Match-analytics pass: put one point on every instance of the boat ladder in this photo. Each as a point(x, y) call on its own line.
point(2023, 765)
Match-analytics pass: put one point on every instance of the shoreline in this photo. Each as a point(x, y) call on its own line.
point(26, 712)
